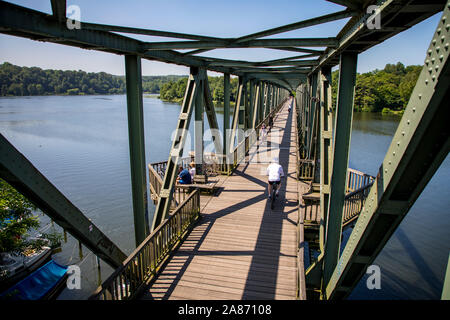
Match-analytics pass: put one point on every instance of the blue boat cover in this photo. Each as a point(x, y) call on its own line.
point(37, 284)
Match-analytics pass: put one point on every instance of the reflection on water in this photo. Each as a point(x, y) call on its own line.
point(80, 143)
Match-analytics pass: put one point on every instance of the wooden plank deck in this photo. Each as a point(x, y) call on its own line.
point(241, 249)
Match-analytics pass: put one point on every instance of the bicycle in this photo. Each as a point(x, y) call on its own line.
point(275, 187)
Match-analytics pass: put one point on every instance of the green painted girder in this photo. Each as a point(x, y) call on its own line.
point(135, 115)
point(326, 126)
point(226, 115)
point(176, 151)
point(238, 64)
point(446, 287)
point(59, 10)
point(149, 32)
point(309, 55)
point(20, 173)
point(236, 114)
point(261, 43)
point(35, 25)
point(211, 111)
point(418, 147)
point(393, 13)
point(298, 25)
point(340, 156)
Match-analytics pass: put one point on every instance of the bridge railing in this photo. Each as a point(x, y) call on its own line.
point(243, 147)
point(358, 188)
point(143, 264)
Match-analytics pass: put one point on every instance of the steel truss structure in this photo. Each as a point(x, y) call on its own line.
point(420, 144)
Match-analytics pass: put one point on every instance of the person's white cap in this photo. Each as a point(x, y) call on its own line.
point(275, 159)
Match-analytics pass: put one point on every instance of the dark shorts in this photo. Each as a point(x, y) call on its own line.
point(274, 182)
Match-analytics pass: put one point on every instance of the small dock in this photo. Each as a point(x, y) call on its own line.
point(241, 249)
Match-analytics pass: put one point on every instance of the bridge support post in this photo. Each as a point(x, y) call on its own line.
point(419, 146)
point(199, 128)
point(211, 113)
point(341, 147)
point(137, 146)
point(226, 121)
point(266, 99)
point(325, 149)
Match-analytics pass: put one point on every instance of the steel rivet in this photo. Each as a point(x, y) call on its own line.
point(441, 57)
point(433, 77)
point(438, 31)
point(433, 42)
point(426, 81)
point(438, 48)
point(442, 38)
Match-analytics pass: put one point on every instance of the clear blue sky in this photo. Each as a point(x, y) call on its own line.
point(229, 18)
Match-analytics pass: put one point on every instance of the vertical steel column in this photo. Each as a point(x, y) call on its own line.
point(312, 114)
point(256, 107)
point(226, 118)
point(266, 99)
point(243, 105)
point(199, 128)
point(211, 112)
point(341, 147)
point(251, 109)
point(137, 146)
point(236, 114)
point(326, 119)
point(261, 102)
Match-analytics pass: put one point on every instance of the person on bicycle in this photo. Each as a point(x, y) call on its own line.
point(270, 122)
point(275, 173)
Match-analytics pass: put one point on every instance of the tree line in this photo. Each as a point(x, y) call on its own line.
point(25, 81)
point(386, 90)
point(174, 90)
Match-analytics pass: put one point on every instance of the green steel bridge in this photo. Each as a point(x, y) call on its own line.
point(330, 195)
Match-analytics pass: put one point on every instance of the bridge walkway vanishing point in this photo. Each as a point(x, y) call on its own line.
point(241, 249)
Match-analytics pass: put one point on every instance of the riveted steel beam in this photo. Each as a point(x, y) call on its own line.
point(261, 43)
point(20, 173)
point(133, 77)
point(211, 112)
point(298, 25)
point(418, 147)
point(176, 151)
point(341, 148)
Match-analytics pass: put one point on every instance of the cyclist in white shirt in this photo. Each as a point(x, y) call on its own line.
point(275, 172)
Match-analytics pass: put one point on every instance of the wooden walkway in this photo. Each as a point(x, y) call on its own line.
point(241, 249)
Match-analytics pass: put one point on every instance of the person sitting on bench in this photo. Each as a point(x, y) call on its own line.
point(184, 177)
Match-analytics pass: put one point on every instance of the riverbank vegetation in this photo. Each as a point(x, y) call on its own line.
point(385, 91)
point(34, 81)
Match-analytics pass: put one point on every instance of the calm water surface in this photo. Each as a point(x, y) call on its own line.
point(80, 144)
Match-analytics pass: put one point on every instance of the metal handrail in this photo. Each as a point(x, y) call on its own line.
point(143, 264)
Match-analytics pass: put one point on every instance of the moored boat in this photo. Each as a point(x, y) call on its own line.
point(43, 284)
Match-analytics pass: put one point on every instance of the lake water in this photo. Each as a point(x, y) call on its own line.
point(80, 143)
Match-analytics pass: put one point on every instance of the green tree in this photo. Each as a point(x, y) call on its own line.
point(16, 219)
